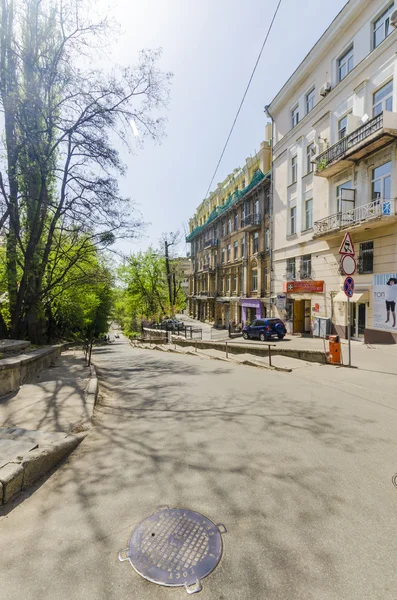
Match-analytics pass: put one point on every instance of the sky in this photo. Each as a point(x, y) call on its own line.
point(210, 46)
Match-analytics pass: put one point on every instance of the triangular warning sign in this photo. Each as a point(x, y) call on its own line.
point(347, 246)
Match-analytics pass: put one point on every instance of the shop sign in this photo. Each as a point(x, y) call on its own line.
point(281, 302)
point(303, 287)
point(384, 301)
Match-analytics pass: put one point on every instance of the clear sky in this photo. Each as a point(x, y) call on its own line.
point(211, 47)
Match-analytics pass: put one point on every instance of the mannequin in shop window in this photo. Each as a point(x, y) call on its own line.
point(391, 300)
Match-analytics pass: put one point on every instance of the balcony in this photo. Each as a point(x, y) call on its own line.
point(251, 222)
point(210, 243)
point(208, 268)
point(373, 215)
point(368, 138)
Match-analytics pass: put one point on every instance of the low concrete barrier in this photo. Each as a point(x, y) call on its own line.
point(16, 370)
point(316, 356)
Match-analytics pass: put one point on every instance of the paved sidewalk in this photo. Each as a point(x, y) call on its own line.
point(56, 401)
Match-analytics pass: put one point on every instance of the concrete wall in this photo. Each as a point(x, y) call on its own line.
point(23, 368)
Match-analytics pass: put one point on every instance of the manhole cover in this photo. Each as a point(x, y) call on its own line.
point(175, 547)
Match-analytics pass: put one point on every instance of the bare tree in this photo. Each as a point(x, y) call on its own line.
point(60, 119)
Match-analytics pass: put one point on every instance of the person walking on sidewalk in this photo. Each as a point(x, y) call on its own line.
point(391, 300)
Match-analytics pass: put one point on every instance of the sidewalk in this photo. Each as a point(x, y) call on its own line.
point(40, 423)
point(379, 358)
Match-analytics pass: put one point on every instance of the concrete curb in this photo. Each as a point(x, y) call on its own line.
point(90, 398)
point(17, 475)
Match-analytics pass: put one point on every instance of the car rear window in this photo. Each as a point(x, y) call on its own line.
point(274, 321)
point(260, 323)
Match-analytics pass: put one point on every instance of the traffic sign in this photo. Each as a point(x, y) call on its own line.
point(347, 246)
point(348, 286)
point(348, 264)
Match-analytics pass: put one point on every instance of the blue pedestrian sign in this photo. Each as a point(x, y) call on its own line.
point(348, 286)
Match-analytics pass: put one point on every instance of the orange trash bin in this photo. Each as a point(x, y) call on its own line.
point(334, 354)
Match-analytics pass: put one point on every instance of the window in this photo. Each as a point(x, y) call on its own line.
point(267, 240)
point(345, 64)
point(310, 97)
point(265, 279)
point(235, 221)
point(306, 266)
point(342, 204)
point(228, 252)
point(366, 257)
point(310, 151)
point(223, 229)
point(267, 199)
point(295, 116)
point(229, 226)
point(227, 284)
point(235, 282)
point(342, 128)
point(235, 250)
point(243, 184)
point(223, 255)
point(291, 272)
point(243, 248)
point(381, 182)
point(309, 213)
point(256, 206)
point(255, 243)
point(292, 220)
point(382, 26)
point(383, 99)
point(294, 169)
point(254, 280)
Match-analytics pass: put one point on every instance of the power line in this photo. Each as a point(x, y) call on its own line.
point(245, 93)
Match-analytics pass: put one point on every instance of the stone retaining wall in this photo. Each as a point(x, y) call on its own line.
point(16, 370)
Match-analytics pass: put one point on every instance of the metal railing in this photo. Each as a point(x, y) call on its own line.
point(210, 243)
point(337, 151)
point(359, 214)
point(250, 220)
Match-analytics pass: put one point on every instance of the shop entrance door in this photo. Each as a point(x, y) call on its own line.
point(307, 316)
point(227, 316)
point(358, 319)
point(299, 316)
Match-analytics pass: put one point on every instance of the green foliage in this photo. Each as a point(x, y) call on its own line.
point(143, 293)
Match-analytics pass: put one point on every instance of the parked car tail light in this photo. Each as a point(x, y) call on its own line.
point(268, 328)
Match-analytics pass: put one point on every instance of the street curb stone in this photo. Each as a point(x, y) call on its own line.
point(11, 477)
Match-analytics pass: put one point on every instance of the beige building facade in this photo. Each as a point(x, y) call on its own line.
point(230, 246)
point(334, 171)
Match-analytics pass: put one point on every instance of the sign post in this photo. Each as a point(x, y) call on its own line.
point(348, 288)
point(348, 265)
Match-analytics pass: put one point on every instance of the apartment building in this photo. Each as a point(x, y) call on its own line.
point(230, 246)
point(334, 171)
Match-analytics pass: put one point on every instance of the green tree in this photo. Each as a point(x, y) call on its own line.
point(61, 168)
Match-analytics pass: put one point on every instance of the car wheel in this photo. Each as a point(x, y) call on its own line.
point(245, 335)
point(280, 336)
point(262, 337)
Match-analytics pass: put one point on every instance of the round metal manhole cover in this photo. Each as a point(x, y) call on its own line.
point(175, 547)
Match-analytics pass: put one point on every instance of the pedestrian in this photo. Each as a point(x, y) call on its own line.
point(391, 300)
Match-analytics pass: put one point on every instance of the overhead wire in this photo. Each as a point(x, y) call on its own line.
point(244, 96)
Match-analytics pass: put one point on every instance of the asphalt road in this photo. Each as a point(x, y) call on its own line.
point(298, 466)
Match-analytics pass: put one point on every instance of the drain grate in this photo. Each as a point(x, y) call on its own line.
point(175, 547)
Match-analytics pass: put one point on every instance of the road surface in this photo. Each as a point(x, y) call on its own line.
point(298, 466)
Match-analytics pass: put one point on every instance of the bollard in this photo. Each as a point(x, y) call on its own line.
point(270, 356)
point(227, 352)
point(195, 346)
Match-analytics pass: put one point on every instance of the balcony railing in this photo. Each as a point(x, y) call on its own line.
point(338, 150)
point(251, 220)
point(210, 243)
point(359, 214)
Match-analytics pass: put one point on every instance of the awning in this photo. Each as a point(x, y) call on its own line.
point(358, 297)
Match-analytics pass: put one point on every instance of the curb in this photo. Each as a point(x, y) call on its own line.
point(20, 474)
point(90, 398)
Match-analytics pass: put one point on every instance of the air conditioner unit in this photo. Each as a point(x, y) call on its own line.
point(325, 89)
point(393, 18)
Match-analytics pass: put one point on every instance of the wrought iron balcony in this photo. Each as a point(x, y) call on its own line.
point(377, 209)
point(365, 140)
point(210, 243)
point(251, 221)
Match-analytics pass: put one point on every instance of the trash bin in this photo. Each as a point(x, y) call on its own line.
point(334, 354)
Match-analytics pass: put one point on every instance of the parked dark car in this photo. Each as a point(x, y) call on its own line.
point(264, 329)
